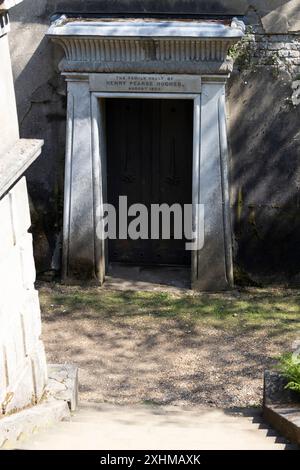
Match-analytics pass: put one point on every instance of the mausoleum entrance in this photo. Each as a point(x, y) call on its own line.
point(149, 160)
point(147, 121)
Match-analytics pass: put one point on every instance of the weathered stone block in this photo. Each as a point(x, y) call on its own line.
point(20, 209)
point(32, 320)
point(283, 53)
point(15, 348)
point(11, 281)
point(3, 381)
point(39, 371)
point(7, 238)
point(294, 53)
point(275, 46)
point(274, 22)
point(23, 364)
point(8, 119)
point(29, 421)
point(21, 393)
point(27, 262)
point(63, 383)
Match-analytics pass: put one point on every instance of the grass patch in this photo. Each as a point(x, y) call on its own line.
point(275, 309)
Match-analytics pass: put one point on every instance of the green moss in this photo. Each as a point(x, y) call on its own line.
point(242, 52)
point(277, 310)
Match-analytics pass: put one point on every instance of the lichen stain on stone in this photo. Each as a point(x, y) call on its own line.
point(252, 222)
point(240, 204)
point(296, 92)
point(6, 445)
point(8, 398)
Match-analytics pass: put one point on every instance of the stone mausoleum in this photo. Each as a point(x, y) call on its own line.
point(170, 101)
point(23, 370)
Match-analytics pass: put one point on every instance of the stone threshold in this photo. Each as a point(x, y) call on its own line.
point(15, 162)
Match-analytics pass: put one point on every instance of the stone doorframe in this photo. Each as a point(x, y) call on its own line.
point(89, 84)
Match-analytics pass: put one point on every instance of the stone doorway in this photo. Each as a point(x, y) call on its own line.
point(149, 160)
point(157, 59)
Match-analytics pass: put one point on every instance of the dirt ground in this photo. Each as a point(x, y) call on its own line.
point(166, 347)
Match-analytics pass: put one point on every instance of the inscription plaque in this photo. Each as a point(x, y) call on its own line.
point(145, 83)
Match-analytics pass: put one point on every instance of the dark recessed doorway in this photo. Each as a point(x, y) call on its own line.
point(149, 160)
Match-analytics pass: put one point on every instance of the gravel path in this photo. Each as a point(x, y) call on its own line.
point(145, 359)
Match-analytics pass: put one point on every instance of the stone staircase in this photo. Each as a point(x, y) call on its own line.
point(103, 426)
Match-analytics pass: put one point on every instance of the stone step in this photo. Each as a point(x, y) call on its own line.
point(135, 427)
point(90, 440)
point(24, 424)
point(241, 424)
point(201, 431)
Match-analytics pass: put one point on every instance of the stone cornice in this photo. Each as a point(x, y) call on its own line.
point(14, 163)
point(5, 5)
point(4, 23)
point(145, 46)
point(139, 28)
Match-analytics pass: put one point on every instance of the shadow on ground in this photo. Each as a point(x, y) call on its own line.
point(169, 348)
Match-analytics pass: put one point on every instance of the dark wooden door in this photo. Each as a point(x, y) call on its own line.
point(149, 160)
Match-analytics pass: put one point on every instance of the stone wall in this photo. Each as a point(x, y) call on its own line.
point(263, 113)
point(263, 105)
point(8, 120)
point(282, 52)
point(23, 372)
point(22, 356)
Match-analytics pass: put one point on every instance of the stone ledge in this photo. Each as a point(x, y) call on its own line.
point(281, 407)
point(63, 383)
point(4, 23)
point(16, 161)
point(61, 396)
point(286, 420)
point(20, 426)
point(7, 4)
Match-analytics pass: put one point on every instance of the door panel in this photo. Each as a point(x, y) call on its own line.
point(149, 159)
